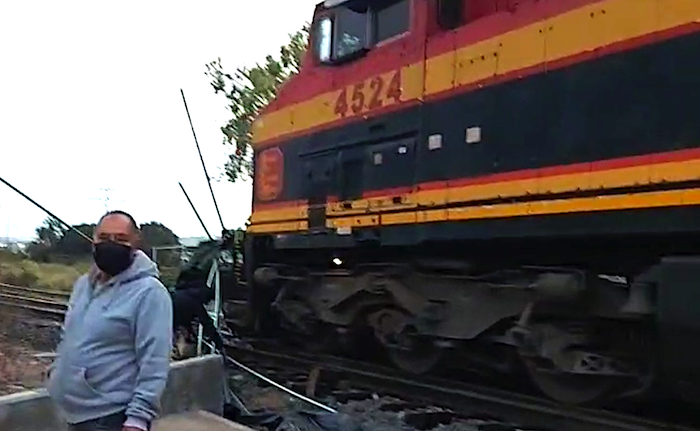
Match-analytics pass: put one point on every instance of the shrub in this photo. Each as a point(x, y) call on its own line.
point(45, 275)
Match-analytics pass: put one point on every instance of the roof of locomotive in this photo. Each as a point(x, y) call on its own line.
point(333, 3)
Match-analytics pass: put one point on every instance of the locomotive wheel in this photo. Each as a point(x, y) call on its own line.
point(569, 388)
point(408, 352)
point(322, 340)
point(421, 357)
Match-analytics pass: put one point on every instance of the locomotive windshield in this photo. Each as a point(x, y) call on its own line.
point(341, 35)
point(348, 31)
point(351, 32)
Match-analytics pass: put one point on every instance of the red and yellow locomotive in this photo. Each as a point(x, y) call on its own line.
point(511, 182)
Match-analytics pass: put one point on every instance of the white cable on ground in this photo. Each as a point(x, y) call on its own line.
point(280, 387)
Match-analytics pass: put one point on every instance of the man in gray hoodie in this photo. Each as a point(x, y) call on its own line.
point(114, 355)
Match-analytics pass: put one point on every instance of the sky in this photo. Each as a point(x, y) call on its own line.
point(91, 116)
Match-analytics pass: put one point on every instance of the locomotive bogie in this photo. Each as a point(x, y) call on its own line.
point(558, 321)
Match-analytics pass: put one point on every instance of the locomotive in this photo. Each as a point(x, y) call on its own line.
point(512, 182)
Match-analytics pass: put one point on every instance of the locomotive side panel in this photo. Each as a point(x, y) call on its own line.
point(594, 125)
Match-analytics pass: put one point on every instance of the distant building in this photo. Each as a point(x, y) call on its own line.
point(13, 245)
point(192, 241)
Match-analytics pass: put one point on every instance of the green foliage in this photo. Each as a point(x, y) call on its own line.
point(73, 244)
point(250, 90)
point(58, 256)
point(156, 234)
point(168, 275)
point(10, 256)
point(50, 232)
point(17, 269)
point(55, 244)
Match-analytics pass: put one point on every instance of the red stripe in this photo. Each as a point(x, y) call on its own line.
point(278, 205)
point(314, 80)
point(597, 166)
point(525, 13)
point(618, 47)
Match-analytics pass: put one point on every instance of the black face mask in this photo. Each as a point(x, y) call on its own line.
point(112, 258)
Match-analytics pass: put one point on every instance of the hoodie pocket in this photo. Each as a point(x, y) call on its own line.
point(74, 391)
point(84, 380)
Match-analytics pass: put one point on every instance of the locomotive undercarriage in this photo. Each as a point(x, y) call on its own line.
point(579, 336)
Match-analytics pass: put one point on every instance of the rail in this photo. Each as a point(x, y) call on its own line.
point(468, 400)
point(48, 302)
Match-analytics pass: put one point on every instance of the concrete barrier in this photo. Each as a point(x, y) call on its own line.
point(197, 421)
point(193, 384)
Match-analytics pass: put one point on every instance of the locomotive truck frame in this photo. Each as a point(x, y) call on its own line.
point(495, 183)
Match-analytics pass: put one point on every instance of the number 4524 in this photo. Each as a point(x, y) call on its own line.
point(369, 95)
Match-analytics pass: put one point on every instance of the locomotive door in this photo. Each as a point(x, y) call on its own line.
point(393, 167)
point(319, 171)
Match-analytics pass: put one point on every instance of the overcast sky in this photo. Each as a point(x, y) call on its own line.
point(90, 100)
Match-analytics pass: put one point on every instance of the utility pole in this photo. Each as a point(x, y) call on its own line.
point(106, 199)
point(106, 191)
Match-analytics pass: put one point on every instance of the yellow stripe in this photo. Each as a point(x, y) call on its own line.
point(581, 30)
point(320, 110)
point(280, 214)
point(667, 172)
point(278, 227)
point(538, 208)
point(585, 181)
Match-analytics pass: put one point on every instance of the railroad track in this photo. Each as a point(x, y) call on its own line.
point(47, 302)
point(465, 400)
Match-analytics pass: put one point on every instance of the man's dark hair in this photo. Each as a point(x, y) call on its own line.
point(123, 213)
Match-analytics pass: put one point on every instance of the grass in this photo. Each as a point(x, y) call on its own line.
point(19, 270)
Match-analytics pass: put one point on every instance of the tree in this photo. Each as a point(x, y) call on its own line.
point(73, 244)
point(48, 235)
point(250, 90)
point(50, 232)
point(55, 243)
point(155, 234)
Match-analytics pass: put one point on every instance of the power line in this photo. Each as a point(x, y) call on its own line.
point(107, 199)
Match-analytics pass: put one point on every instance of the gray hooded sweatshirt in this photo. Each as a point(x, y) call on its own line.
point(114, 354)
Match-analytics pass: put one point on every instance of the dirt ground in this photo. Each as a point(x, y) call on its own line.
point(22, 342)
point(22, 366)
point(376, 413)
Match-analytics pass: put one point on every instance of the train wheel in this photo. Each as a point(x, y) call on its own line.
point(323, 339)
point(421, 357)
point(569, 388)
point(405, 349)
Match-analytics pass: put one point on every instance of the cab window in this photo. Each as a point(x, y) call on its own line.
point(350, 32)
point(324, 39)
point(345, 32)
point(391, 19)
point(450, 14)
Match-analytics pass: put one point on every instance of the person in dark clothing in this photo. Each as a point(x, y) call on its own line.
point(190, 295)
